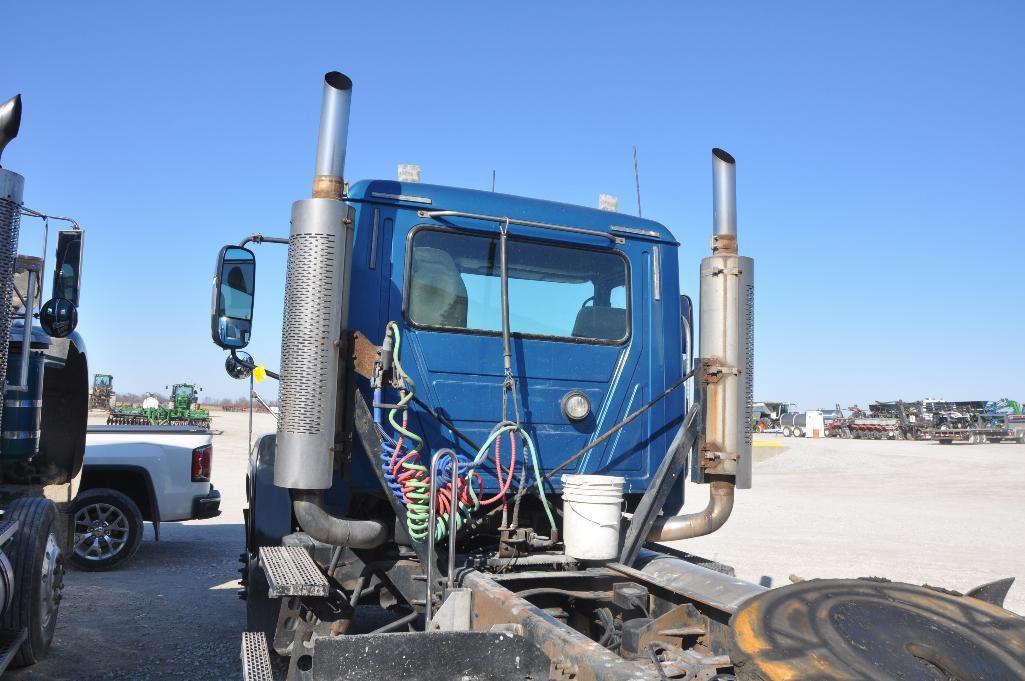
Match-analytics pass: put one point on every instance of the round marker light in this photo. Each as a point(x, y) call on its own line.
point(576, 406)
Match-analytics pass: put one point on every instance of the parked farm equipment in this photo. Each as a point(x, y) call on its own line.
point(102, 394)
point(181, 410)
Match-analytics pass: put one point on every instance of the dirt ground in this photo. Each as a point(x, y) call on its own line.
point(912, 511)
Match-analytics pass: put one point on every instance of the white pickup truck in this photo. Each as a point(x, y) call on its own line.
point(133, 474)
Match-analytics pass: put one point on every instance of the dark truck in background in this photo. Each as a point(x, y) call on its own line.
point(44, 414)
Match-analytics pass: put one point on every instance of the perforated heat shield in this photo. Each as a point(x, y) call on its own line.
point(11, 187)
point(315, 312)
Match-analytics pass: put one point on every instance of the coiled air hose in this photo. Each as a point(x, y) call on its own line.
point(409, 479)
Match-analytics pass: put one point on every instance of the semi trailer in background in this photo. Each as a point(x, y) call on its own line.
point(44, 413)
point(475, 388)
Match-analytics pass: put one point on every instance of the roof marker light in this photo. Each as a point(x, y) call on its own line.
point(409, 172)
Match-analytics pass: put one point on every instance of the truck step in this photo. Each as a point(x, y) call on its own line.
point(255, 657)
point(291, 572)
point(10, 641)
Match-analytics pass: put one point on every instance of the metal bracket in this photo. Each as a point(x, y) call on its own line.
point(456, 613)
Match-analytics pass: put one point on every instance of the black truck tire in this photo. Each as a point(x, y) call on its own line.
point(114, 523)
point(39, 576)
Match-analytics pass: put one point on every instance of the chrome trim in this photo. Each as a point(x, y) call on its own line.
point(635, 230)
point(435, 214)
point(21, 434)
point(656, 272)
point(401, 197)
point(23, 403)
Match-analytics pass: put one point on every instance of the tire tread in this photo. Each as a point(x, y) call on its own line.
point(31, 521)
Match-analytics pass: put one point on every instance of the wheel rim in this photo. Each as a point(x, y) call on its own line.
point(51, 582)
point(101, 531)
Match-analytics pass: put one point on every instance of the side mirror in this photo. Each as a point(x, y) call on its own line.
point(231, 312)
point(235, 367)
point(58, 317)
point(67, 273)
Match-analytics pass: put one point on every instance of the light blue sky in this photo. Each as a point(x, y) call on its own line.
point(880, 159)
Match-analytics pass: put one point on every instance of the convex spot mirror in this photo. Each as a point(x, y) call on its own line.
point(67, 272)
point(231, 313)
point(58, 317)
point(238, 365)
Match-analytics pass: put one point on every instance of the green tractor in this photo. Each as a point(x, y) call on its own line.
point(185, 409)
point(182, 410)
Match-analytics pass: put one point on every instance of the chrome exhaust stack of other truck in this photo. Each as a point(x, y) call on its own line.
point(12, 186)
point(727, 363)
point(315, 315)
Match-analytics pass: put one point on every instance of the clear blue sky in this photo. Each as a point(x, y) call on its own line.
point(880, 153)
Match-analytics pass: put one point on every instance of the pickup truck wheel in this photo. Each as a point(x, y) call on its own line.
point(38, 566)
point(108, 530)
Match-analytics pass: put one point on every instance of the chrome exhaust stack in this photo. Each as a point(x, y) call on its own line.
point(726, 347)
point(12, 187)
point(316, 307)
point(315, 314)
point(726, 336)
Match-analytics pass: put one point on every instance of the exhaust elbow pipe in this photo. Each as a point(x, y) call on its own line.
point(329, 529)
point(706, 521)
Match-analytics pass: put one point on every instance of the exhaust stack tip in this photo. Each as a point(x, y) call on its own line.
point(724, 200)
point(338, 80)
point(328, 182)
point(724, 156)
point(10, 121)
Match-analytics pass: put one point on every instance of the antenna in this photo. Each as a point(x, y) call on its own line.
point(637, 179)
point(492, 180)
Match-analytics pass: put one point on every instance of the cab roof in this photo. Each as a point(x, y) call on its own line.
point(419, 196)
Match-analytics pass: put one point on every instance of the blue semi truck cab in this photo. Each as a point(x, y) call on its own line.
point(484, 431)
point(584, 307)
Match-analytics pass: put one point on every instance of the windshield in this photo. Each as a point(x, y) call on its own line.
point(102, 381)
point(183, 391)
point(556, 291)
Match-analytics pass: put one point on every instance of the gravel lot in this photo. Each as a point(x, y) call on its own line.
point(912, 511)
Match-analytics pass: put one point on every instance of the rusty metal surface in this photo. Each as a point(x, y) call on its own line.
point(692, 582)
point(724, 243)
point(327, 187)
point(573, 655)
point(872, 629)
point(364, 355)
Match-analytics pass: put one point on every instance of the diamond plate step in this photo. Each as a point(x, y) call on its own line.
point(255, 657)
point(291, 572)
point(9, 643)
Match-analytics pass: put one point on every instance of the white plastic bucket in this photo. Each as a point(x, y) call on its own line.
point(592, 510)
